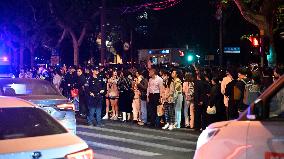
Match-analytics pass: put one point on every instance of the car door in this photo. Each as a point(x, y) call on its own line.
point(266, 136)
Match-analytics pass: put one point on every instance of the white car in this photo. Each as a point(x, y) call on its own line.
point(257, 134)
point(28, 132)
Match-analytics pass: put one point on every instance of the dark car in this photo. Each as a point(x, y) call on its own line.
point(43, 94)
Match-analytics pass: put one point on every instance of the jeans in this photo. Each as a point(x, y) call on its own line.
point(178, 106)
point(144, 111)
point(189, 119)
point(91, 116)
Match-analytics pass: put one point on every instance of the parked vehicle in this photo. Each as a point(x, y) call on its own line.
point(43, 94)
point(257, 134)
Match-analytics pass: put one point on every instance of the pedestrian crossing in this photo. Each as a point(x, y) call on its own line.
point(122, 141)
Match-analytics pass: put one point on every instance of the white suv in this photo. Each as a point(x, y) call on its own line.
point(28, 132)
point(257, 134)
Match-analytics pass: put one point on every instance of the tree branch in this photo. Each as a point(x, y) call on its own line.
point(34, 11)
point(74, 37)
point(61, 38)
point(82, 35)
point(256, 19)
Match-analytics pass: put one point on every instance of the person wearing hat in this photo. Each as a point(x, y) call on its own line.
point(95, 92)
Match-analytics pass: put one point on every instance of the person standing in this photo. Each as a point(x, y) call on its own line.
point(226, 80)
point(167, 101)
point(153, 96)
point(95, 93)
point(178, 98)
point(142, 87)
point(136, 104)
point(81, 81)
point(188, 90)
point(113, 95)
point(216, 99)
point(57, 80)
point(201, 91)
point(126, 95)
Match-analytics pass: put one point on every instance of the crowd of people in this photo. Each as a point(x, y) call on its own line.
point(165, 97)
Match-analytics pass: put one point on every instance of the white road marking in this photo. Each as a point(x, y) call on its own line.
point(138, 134)
point(131, 141)
point(155, 130)
point(102, 156)
point(123, 149)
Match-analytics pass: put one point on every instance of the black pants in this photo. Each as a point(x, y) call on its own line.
point(83, 104)
point(200, 120)
point(169, 112)
point(154, 100)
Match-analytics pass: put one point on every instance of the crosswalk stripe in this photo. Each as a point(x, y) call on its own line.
point(102, 156)
point(153, 130)
point(142, 143)
point(138, 134)
point(122, 149)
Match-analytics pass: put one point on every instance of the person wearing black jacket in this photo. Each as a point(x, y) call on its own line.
point(217, 100)
point(142, 87)
point(201, 99)
point(80, 85)
point(95, 93)
point(68, 82)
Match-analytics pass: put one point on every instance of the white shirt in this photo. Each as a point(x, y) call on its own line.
point(224, 83)
point(155, 85)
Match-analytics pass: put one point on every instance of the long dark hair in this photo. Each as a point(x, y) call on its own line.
point(188, 77)
point(167, 83)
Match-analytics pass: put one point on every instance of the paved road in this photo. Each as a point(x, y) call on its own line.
point(118, 140)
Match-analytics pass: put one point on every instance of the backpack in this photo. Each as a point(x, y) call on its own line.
point(237, 93)
point(246, 92)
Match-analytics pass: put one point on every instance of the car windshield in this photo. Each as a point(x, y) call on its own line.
point(18, 88)
point(27, 122)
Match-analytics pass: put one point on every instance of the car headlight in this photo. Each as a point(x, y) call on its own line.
point(205, 136)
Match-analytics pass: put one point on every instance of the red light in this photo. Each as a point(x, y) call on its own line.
point(181, 53)
point(255, 42)
point(85, 154)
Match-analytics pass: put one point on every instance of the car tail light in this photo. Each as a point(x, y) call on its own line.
point(85, 154)
point(67, 106)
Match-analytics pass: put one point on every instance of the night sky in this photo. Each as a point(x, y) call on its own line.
point(193, 23)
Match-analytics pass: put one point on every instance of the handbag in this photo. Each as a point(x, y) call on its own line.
point(160, 110)
point(211, 110)
point(74, 92)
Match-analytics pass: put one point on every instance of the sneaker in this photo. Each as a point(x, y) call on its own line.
point(171, 127)
point(105, 117)
point(115, 118)
point(141, 123)
point(112, 117)
point(166, 126)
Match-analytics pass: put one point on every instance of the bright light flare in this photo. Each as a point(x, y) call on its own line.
point(5, 59)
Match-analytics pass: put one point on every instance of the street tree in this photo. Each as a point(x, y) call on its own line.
point(262, 14)
point(75, 18)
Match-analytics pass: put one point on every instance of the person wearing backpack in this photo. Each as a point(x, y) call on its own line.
point(254, 89)
point(233, 93)
point(244, 84)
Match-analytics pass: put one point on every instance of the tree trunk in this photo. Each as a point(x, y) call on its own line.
point(21, 57)
point(32, 51)
point(264, 28)
point(76, 53)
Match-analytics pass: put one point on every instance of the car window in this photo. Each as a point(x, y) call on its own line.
point(28, 88)
point(27, 122)
point(276, 105)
